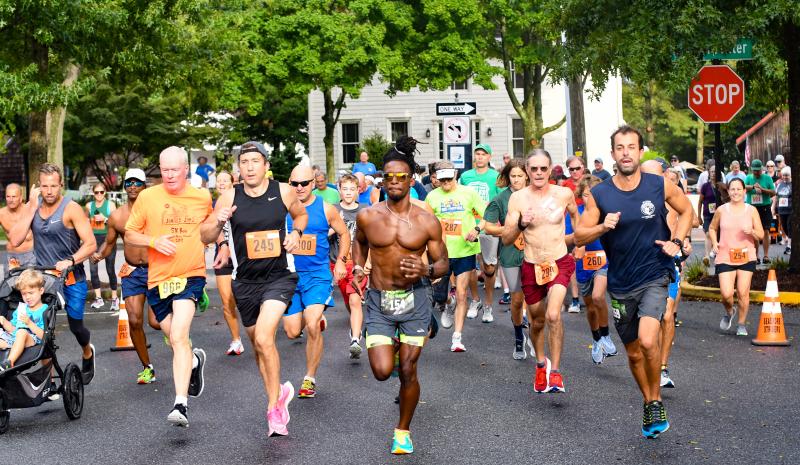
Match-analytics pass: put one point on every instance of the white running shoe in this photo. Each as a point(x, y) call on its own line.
point(519, 349)
point(488, 317)
point(608, 346)
point(98, 303)
point(725, 322)
point(355, 350)
point(456, 345)
point(114, 305)
point(448, 316)
point(236, 348)
point(574, 308)
point(472, 312)
point(666, 381)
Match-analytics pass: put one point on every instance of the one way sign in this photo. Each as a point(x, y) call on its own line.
point(453, 109)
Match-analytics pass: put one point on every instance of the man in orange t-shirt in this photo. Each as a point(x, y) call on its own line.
point(166, 219)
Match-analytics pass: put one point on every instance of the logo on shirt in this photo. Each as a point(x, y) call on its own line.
point(648, 209)
point(451, 206)
point(481, 188)
point(270, 199)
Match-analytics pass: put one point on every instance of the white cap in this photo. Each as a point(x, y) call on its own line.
point(136, 173)
point(778, 158)
point(378, 180)
point(446, 173)
point(369, 179)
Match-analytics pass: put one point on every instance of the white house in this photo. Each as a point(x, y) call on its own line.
point(495, 122)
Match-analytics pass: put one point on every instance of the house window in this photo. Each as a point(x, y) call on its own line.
point(399, 128)
point(460, 85)
point(349, 142)
point(517, 78)
point(517, 137)
point(441, 142)
point(476, 130)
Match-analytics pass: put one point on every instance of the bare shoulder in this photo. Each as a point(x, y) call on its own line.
point(517, 197)
point(423, 214)
point(73, 210)
point(284, 188)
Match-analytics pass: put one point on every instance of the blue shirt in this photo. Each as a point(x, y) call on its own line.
point(203, 171)
point(367, 168)
point(580, 274)
point(37, 316)
point(318, 226)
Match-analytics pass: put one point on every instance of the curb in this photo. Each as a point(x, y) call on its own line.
point(712, 293)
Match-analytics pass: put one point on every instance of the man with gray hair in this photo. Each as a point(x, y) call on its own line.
point(9, 216)
point(329, 194)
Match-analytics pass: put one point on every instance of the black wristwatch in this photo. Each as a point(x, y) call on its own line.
point(299, 231)
point(430, 271)
point(72, 259)
point(220, 244)
point(477, 229)
point(677, 242)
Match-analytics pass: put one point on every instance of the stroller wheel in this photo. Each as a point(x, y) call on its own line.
point(5, 415)
point(72, 387)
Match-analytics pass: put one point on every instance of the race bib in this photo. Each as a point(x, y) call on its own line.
point(738, 256)
point(451, 227)
point(520, 242)
point(756, 199)
point(126, 270)
point(13, 263)
point(263, 244)
point(171, 286)
point(712, 207)
point(545, 272)
point(594, 260)
point(617, 309)
point(783, 202)
point(397, 302)
point(307, 245)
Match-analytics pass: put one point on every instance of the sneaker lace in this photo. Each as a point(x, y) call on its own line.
point(647, 415)
point(659, 413)
point(307, 384)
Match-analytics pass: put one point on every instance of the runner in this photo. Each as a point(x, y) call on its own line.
point(396, 234)
point(483, 180)
point(591, 273)
point(348, 209)
point(166, 219)
point(63, 239)
point(706, 206)
point(515, 178)
point(538, 212)
point(314, 291)
point(576, 168)
point(262, 283)
point(454, 205)
point(133, 272)
point(628, 213)
point(739, 228)
point(99, 210)
point(9, 216)
point(760, 189)
point(782, 206)
point(367, 194)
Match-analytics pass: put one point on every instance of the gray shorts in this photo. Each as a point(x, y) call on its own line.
point(588, 286)
point(405, 312)
point(23, 259)
point(647, 300)
point(514, 278)
point(489, 247)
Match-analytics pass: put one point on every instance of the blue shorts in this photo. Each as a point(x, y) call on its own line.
point(75, 298)
point(462, 265)
point(163, 307)
point(135, 283)
point(313, 287)
point(674, 284)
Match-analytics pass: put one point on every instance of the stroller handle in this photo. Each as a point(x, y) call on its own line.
point(50, 270)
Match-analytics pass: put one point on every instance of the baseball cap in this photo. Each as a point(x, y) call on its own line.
point(664, 164)
point(598, 160)
point(778, 158)
point(484, 147)
point(673, 158)
point(253, 146)
point(756, 165)
point(135, 173)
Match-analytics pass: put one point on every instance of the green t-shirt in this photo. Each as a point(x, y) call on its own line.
point(764, 181)
point(510, 256)
point(329, 195)
point(457, 206)
point(484, 184)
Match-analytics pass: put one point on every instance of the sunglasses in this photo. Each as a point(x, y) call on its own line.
point(300, 183)
point(99, 192)
point(445, 179)
point(575, 168)
point(136, 183)
point(400, 177)
point(534, 169)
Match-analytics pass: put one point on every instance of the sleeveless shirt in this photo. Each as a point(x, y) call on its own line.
point(318, 226)
point(54, 241)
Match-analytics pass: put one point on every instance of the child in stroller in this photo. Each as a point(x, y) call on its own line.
point(26, 327)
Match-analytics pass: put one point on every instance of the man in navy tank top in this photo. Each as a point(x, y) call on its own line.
point(314, 291)
point(628, 212)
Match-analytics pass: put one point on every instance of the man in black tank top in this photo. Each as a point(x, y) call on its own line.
point(262, 284)
point(639, 307)
point(64, 239)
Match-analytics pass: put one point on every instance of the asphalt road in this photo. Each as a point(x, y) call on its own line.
point(734, 403)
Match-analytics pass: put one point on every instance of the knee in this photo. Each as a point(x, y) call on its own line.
point(635, 357)
point(537, 324)
point(135, 321)
point(264, 343)
point(648, 343)
point(490, 270)
point(408, 372)
point(178, 340)
point(553, 317)
point(292, 332)
point(668, 318)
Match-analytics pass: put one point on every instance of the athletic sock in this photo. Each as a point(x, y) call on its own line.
point(575, 301)
point(541, 364)
point(518, 333)
point(181, 400)
point(603, 331)
point(195, 361)
point(555, 371)
point(505, 290)
point(596, 335)
point(313, 380)
point(663, 367)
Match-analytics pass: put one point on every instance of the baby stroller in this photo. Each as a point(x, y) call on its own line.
point(32, 380)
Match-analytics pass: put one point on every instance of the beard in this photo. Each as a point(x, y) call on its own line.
point(626, 171)
point(396, 197)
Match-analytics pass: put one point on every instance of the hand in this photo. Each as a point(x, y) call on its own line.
point(95, 258)
point(292, 241)
point(223, 257)
point(164, 245)
point(225, 214)
point(611, 220)
point(687, 247)
point(63, 265)
point(339, 270)
point(668, 247)
point(527, 217)
point(472, 236)
point(747, 229)
point(715, 248)
point(757, 187)
point(412, 267)
point(33, 198)
point(579, 252)
point(23, 318)
point(358, 276)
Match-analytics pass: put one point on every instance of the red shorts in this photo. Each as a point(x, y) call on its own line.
point(346, 284)
point(535, 293)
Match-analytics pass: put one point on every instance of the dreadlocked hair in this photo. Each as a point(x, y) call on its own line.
point(403, 150)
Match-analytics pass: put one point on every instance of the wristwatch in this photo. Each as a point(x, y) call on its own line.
point(677, 242)
point(430, 271)
point(477, 229)
point(299, 231)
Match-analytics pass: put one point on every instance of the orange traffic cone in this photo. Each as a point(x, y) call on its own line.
point(770, 326)
point(123, 330)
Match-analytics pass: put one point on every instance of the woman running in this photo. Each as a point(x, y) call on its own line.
point(739, 227)
point(782, 205)
point(706, 206)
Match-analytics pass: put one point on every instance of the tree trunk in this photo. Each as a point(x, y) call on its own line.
point(54, 126)
point(649, 120)
point(37, 145)
point(330, 126)
point(577, 118)
point(532, 115)
point(791, 52)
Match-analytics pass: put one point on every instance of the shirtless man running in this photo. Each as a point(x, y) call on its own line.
point(9, 215)
point(538, 211)
point(396, 233)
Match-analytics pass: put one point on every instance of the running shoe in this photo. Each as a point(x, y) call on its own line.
point(474, 306)
point(519, 349)
point(274, 425)
point(236, 348)
point(88, 366)
point(487, 314)
point(725, 322)
point(654, 420)
point(666, 381)
point(323, 323)
point(456, 345)
point(542, 377)
point(114, 305)
point(197, 380)
point(609, 349)
point(52, 394)
point(787, 251)
point(278, 417)
point(178, 416)
point(766, 261)
point(355, 350)
point(308, 389)
point(597, 352)
point(505, 300)
point(448, 316)
point(98, 303)
point(146, 376)
point(741, 330)
point(574, 308)
point(556, 382)
point(202, 304)
point(402, 442)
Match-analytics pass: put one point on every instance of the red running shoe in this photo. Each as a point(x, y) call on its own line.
point(556, 383)
point(540, 380)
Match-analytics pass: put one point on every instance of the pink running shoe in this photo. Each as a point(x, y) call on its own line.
point(278, 417)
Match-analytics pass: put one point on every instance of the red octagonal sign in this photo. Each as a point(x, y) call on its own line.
point(716, 94)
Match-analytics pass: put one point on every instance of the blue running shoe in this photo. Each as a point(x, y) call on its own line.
point(402, 442)
point(654, 419)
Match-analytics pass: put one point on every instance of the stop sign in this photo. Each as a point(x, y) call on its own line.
point(716, 94)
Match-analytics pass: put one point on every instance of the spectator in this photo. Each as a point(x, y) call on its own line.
point(779, 163)
point(703, 178)
point(772, 172)
point(706, 206)
point(323, 189)
point(598, 170)
point(576, 169)
point(203, 170)
point(676, 163)
point(782, 205)
point(760, 189)
point(364, 166)
point(735, 172)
